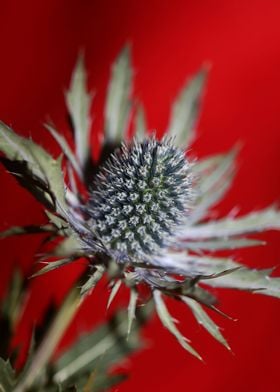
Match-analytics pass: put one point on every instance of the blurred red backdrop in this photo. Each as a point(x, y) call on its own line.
point(39, 42)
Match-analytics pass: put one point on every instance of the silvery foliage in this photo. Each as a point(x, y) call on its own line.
point(144, 217)
point(84, 365)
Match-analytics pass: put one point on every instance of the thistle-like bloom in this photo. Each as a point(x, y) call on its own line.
point(140, 199)
point(146, 206)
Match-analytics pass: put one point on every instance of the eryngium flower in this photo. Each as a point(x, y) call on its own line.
point(141, 197)
point(137, 220)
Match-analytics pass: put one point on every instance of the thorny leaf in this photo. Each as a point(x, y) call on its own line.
point(53, 265)
point(140, 123)
point(230, 273)
point(79, 102)
point(62, 142)
point(114, 292)
point(223, 167)
point(203, 319)
point(267, 219)
point(118, 105)
point(93, 280)
point(213, 185)
point(39, 162)
point(168, 322)
point(131, 309)
point(25, 177)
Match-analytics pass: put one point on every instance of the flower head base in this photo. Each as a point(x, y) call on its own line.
point(142, 195)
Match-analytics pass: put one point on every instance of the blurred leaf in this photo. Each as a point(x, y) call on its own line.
point(62, 142)
point(255, 280)
point(53, 265)
point(140, 123)
point(59, 223)
point(93, 280)
point(29, 229)
point(104, 382)
point(177, 287)
point(213, 185)
point(41, 359)
point(131, 308)
point(224, 272)
point(12, 300)
point(187, 265)
point(7, 376)
point(99, 349)
point(114, 292)
point(26, 179)
point(168, 322)
point(224, 166)
point(69, 246)
point(79, 103)
point(267, 219)
point(118, 105)
point(203, 319)
point(38, 162)
point(204, 166)
point(218, 244)
point(99, 382)
point(209, 200)
point(185, 110)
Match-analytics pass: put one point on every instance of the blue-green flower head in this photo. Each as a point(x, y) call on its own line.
point(142, 195)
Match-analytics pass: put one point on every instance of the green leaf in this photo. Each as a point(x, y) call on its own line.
point(140, 123)
point(42, 166)
point(79, 102)
point(186, 109)
point(168, 322)
point(267, 219)
point(118, 105)
point(203, 319)
point(62, 142)
point(131, 309)
point(90, 284)
point(114, 292)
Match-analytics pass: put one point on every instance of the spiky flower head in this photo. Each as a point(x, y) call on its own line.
point(138, 216)
point(141, 197)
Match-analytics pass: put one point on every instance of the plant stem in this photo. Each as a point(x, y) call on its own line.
point(45, 351)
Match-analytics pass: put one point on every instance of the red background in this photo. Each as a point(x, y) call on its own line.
point(39, 42)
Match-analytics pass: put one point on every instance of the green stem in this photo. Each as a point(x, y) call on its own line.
point(45, 351)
